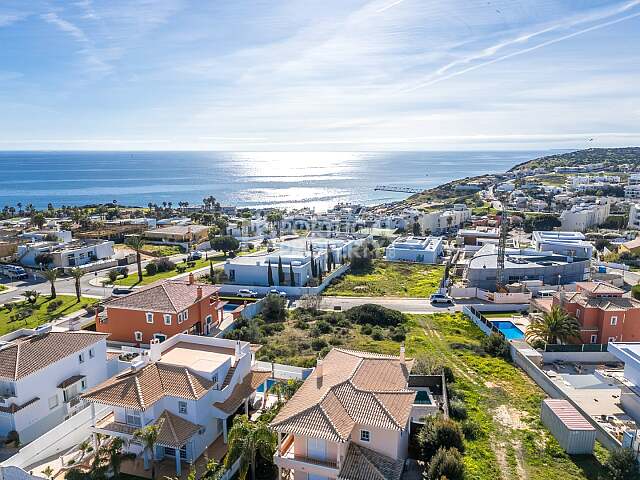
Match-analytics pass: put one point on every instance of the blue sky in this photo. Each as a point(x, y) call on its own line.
point(319, 75)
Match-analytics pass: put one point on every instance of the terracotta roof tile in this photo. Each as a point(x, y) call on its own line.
point(364, 464)
point(174, 431)
point(242, 391)
point(169, 296)
point(27, 355)
point(142, 388)
point(356, 387)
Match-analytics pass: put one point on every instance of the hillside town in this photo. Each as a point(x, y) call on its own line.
point(486, 326)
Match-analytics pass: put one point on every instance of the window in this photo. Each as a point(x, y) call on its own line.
point(138, 336)
point(167, 319)
point(182, 407)
point(214, 379)
point(365, 435)
point(81, 358)
point(134, 418)
point(185, 314)
point(83, 384)
point(92, 353)
point(578, 312)
point(612, 339)
point(208, 319)
point(594, 338)
point(614, 321)
point(160, 337)
point(149, 317)
point(180, 317)
point(53, 402)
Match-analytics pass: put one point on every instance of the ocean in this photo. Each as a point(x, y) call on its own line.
point(243, 179)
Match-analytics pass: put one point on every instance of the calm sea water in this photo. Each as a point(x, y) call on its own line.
point(291, 179)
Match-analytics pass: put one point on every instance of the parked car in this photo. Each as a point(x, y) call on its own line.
point(245, 292)
point(441, 298)
point(194, 256)
point(121, 291)
point(14, 272)
point(274, 291)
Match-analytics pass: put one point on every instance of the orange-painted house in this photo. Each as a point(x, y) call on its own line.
point(602, 311)
point(162, 310)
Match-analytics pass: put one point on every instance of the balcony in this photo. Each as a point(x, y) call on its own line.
point(109, 426)
point(285, 457)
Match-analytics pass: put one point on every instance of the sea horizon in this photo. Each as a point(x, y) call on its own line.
point(240, 178)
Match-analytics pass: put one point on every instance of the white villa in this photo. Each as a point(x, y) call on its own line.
point(43, 373)
point(188, 386)
point(415, 249)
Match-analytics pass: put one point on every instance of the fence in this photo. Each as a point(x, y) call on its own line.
point(481, 321)
point(554, 391)
point(587, 347)
point(56, 441)
point(284, 372)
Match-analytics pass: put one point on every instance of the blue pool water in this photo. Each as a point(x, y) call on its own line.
point(229, 307)
point(270, 383)
point(511, 332)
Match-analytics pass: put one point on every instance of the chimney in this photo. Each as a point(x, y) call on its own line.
point(199, 292)
point(191, 279)
point(402, 360)
point(237, 352)
point(319, 372)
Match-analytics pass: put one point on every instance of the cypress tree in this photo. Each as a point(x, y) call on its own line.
point(314, 273)
point(280, 272)
point(211, 275)
point(269, 274)
point(320, 273)
point(292, 282)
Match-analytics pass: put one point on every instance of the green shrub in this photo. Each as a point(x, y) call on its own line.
point(471, 430)
point(622, 465)
point(439, 432)
point(274, 308)
point(496, 346)
point(151, 268)
point(457, 410)
point(375, 315)
point(318, 344)
point(181, 269)
point(635, 291)
point(366, 329)
point(323, 326)
point(446, 463)
point(377, 334)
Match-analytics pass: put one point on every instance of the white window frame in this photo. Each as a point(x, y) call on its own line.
point(149, 316)
point(183, 408)
point(81, 357)
point(578, 311)
point(185, 314)
point(137, 336)
point(54, 402)
point(594, 338)
point(179, 317)
point(156, 335)
point(131, 414)
point(83, 384)
point(613, 321)
point(167, 319)
point(611, 339)
point(214, 379)
point(92, 353)
point(365, 436)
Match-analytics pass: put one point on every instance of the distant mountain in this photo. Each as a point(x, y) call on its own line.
point(607, 156)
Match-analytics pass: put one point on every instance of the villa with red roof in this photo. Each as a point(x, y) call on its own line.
point(162, 310)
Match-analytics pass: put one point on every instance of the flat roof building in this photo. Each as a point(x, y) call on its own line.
point(415, 249)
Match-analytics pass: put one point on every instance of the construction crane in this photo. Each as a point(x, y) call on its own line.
point(502, 247)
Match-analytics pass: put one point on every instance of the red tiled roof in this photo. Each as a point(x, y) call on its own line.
point(169, 296)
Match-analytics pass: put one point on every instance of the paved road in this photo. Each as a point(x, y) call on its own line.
point(406, 305)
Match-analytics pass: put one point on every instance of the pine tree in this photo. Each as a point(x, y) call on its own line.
point(280, 272)
point(269, 274)
point(292, 282)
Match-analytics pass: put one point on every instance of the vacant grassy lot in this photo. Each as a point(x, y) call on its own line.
point(39, 313)
point(501, 400)
point(162, 250)
point(390, 279)
point(132, 279)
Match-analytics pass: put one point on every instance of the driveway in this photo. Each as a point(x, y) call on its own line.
point(406, 305)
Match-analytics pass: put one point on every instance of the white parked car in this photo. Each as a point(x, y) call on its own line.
point(245, 292)
point(441, 298)
point(274, 291)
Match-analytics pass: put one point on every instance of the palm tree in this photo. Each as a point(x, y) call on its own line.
point(115, 455)
point(246, 440)
point(148, 436)
point(557, 326)
point(48, 471)
point(136, 243)
point(77, 274)
point(51, 274)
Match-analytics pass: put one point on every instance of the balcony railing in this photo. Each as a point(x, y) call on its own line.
point(287, 452)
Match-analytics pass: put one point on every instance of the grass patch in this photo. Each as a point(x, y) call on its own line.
point(3, 287)
point(162, 250)
point(40, 315)
point(491, 315)
point(132, 279)
point(389, 279)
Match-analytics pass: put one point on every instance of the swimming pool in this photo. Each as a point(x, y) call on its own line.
point(270, 383)
point(422, 398)
point(230, 307)
point(509, 329)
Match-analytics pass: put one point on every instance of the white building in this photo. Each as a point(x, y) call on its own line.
point(570, 244)
point(444, 220)
point(583, 216)
point(632, 192)
point(634, 216)
point(415, 249)
point(66, 254)
point(42, 374)
point(188, 386)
